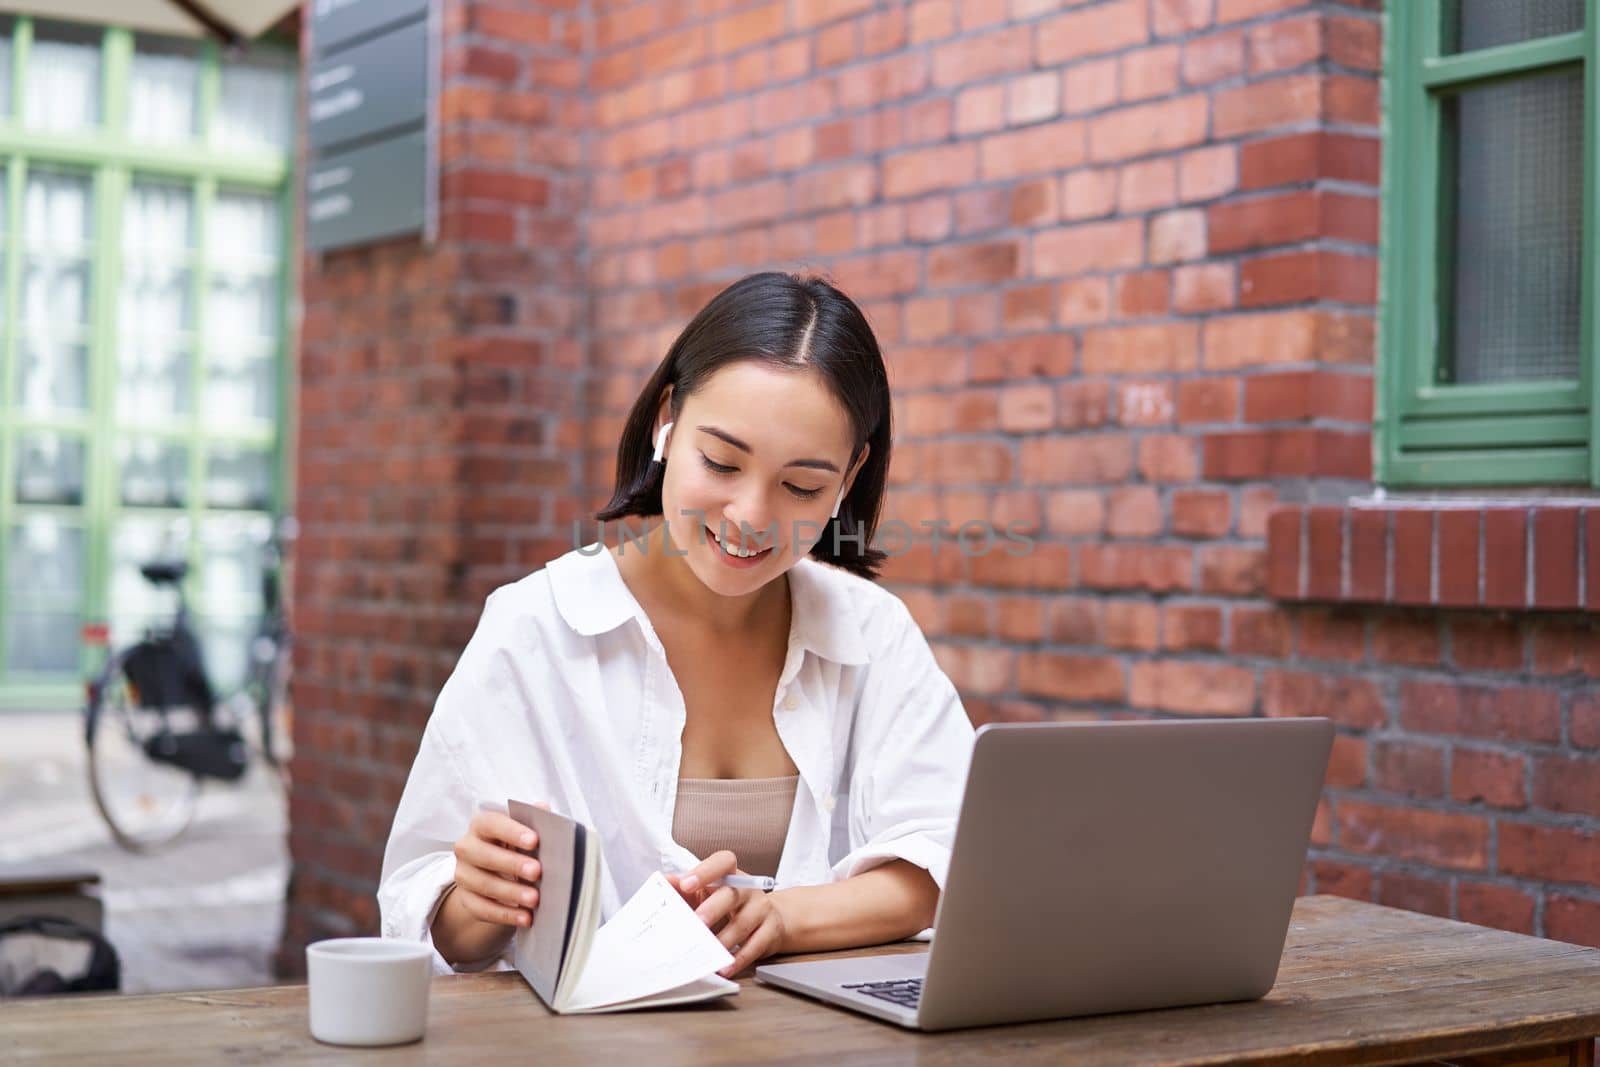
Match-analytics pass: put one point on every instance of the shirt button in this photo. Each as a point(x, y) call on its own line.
point(790, 703)
point(829, 801)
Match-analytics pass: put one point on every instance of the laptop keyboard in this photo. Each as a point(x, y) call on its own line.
point(902, 991)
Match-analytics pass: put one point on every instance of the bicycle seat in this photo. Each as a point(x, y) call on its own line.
point(164, 573)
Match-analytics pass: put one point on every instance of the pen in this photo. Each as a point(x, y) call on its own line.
point(748, 881)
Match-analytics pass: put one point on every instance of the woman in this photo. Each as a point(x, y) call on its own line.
point(729, 692)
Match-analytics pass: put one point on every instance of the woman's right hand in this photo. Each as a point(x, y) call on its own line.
point(496, 878)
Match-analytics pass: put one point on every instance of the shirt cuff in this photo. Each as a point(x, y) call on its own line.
point(414, 898)
point(921, 848)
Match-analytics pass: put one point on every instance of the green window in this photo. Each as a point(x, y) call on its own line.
point(144, 223)
point(1488, 336)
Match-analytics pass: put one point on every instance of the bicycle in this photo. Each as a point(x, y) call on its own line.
point(154, 727)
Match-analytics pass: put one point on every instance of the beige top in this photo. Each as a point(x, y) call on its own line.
point(750, 816)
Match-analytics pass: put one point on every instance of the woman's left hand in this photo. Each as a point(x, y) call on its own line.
point(751, 925)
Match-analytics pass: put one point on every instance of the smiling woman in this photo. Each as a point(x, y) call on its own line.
point(730, 692)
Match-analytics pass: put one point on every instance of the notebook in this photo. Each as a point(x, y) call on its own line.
point(653, 952)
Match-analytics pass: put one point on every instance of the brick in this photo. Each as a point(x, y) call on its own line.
point(1232, 341)
point(1459, 562)
point(1550, 854)
point(1567, 648)
point(1496, 713)
point(1586, 721)
point(1071, 678)
point(1081, 404)
point(1204, 287)
point(1285, 540)
point(1430, 896)
point(1033, 98)
point(1591, 555)
point(1409, 770)
point(1304, 276)
point(1505, 545)
point(917, 172)
point(1097, 31)
point(1146, 129)
point(1086, 247)
point(1029, 308)
point(977, 264)
point(1266, 104)
point(1152, 568)
point(1573, 919)
point(1285, 44)
point(1201, 513)
point(1092, 459)
point(1440, 839)
point(1502, 907)
point(1134, 511)
point(1168, 458)
point(1347, 763)
point(1567, 784)
point(1262, 221)
point(1413, 641)
point(1213, 58)
point(1343, 879)
point(1044, 355)
point(1145, 403)
point(1186, 627)
point(980, 109)
point(1087, 194)
point(1211, 400)
point(1145, 185)
point(1176, 18)
point(1324, 551)
point(1286, 452)
point(1207, 173)
point(1346, 699)
point(1497, 779)
point(1233, 570)
point(1027, 408)
point(1083, 301)
point(1555, 558)
point(1176, 236)
point(1131, 624)
point(1297, 158)
point(1338, 635)
point(1150, 72)
point(1258, 632)
point(1043, 149)
point(1413, 556)
point(1090, 86)
point(1369, 555)
point(976, 58)
point(1074, 620)
point(1487, 645)
point(1141, 349)
point(1192, 688)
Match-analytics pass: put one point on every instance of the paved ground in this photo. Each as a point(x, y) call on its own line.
point(202, 913)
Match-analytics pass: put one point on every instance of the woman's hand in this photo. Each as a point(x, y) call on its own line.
point(746, 921)
point(495, 888)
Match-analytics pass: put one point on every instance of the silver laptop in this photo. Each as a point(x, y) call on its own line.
point(1104, 867)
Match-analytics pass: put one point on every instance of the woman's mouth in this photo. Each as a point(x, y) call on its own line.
point(736, 557)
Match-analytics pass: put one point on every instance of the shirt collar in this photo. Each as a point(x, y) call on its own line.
point(593, 599)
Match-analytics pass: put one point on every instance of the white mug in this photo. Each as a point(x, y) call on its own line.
point(368, 990)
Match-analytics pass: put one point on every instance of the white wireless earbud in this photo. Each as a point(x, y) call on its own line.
point(836, 502)
point(661, 442)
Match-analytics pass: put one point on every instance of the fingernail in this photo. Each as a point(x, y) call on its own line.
point(691, 883)
point(527, 840)
point(527, 870)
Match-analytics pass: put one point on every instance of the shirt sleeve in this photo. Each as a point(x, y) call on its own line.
point(913, 744)
point(440, 797)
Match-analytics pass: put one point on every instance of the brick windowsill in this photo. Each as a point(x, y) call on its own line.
point(1542, 556)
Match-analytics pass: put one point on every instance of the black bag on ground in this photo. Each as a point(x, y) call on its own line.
point(47, 954)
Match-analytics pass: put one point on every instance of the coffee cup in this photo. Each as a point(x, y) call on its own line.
point(368, 990)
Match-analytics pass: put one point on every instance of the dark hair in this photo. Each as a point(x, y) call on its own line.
point(794, 323)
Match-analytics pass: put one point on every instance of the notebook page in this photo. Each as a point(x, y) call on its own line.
point(655, 942)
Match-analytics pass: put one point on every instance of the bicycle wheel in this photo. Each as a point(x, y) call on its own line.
point(146, 803)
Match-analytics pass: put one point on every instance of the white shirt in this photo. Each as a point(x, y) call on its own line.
point(564, 695)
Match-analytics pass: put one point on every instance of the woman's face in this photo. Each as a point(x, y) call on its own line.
point(755, 461)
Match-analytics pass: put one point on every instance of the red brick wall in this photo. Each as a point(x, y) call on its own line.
point(1122, 258)
point(440, 392)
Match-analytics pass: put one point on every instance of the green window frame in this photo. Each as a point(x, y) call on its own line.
point(1429, 430)
point(112, 160)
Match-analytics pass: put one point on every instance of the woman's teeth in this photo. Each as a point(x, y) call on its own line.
point(742, 553)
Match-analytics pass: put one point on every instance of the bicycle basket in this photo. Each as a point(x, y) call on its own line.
point(166, 672)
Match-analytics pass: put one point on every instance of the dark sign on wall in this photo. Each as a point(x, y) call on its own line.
point(369, 102)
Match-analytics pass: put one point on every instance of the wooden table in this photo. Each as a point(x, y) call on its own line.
point(1360, 984)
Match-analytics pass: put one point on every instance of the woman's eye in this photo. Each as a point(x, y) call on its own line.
point(719, 468)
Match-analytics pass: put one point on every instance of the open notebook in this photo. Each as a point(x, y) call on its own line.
point(653, 952)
